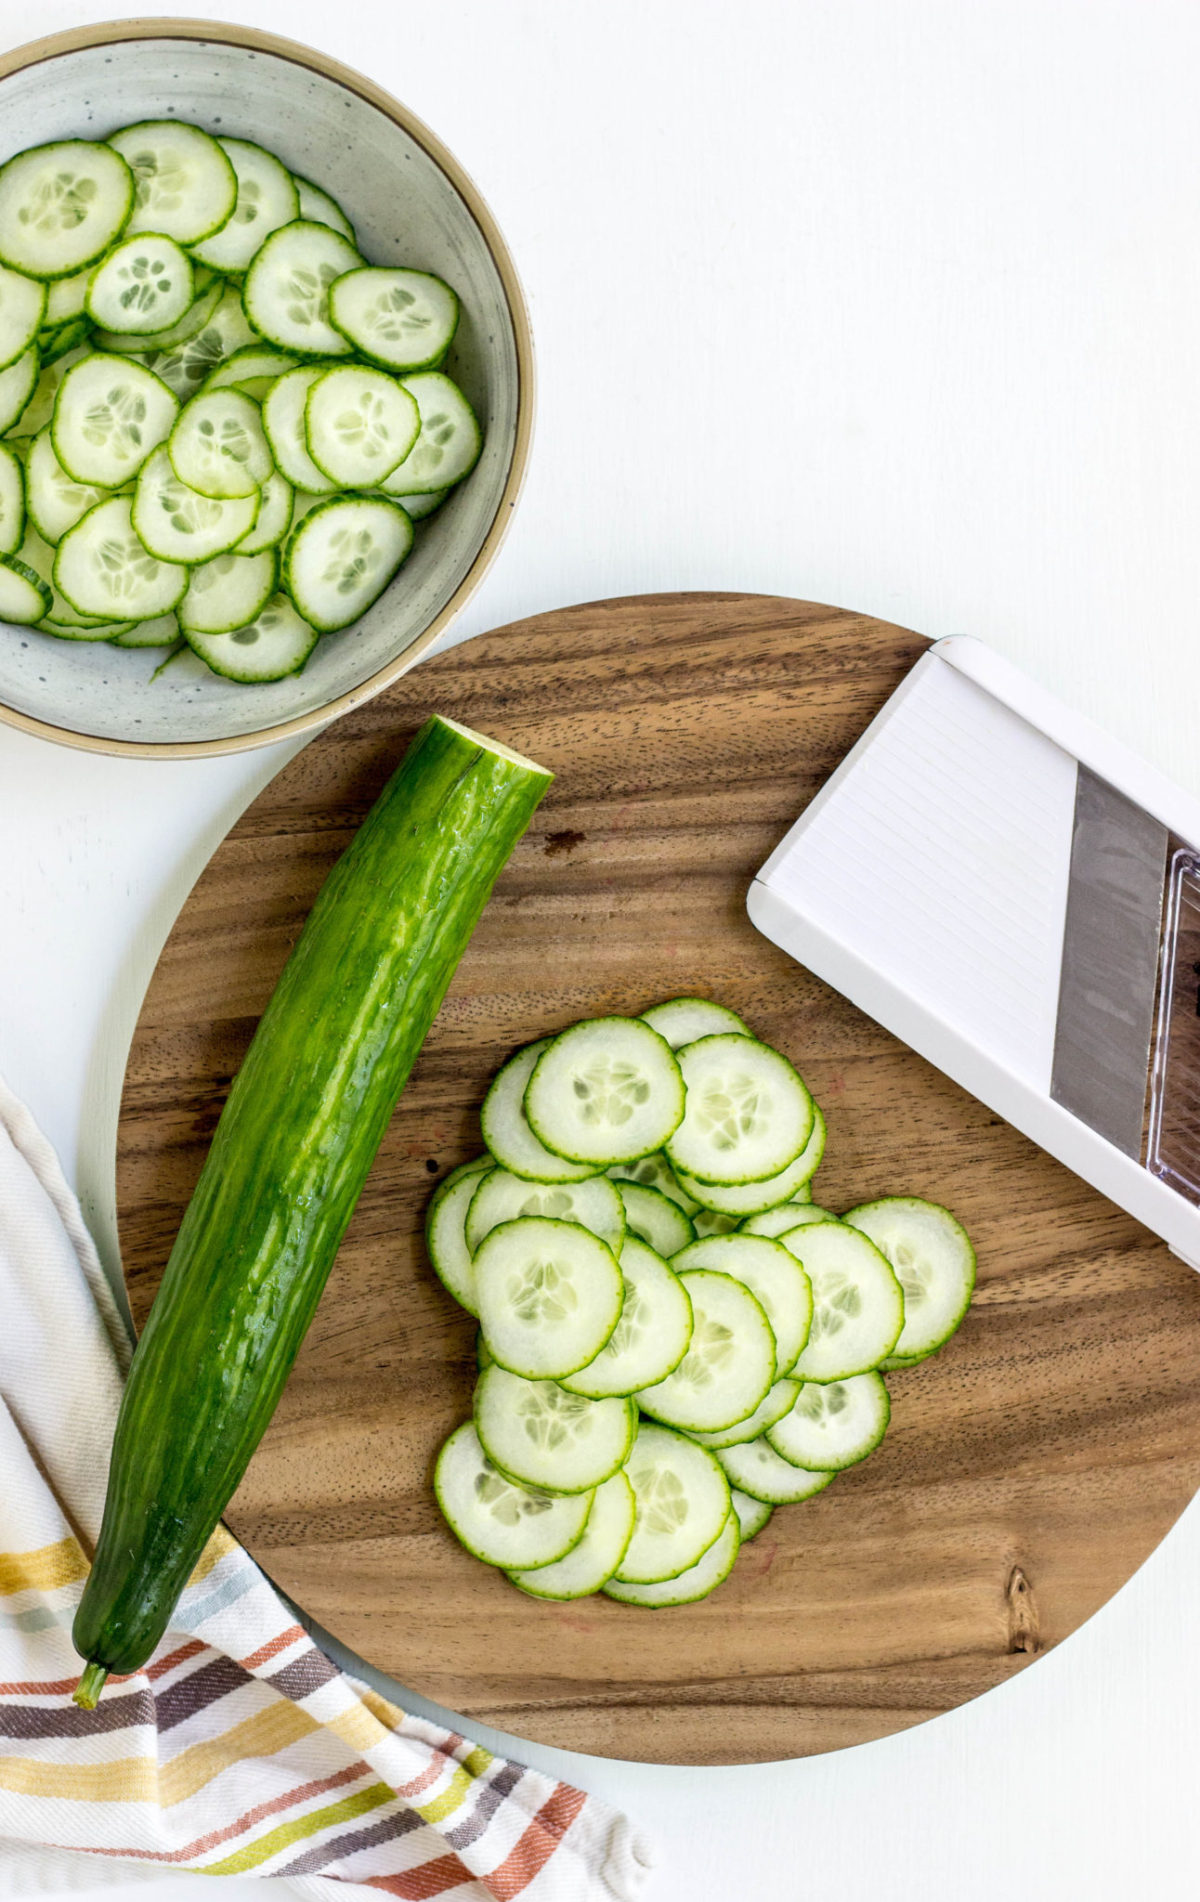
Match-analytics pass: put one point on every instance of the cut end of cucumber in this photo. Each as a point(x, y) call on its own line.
point(497, 747)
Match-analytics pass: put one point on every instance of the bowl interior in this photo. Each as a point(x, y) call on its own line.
point(405, 210)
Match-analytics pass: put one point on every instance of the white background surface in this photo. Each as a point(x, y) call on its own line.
point(895, 306)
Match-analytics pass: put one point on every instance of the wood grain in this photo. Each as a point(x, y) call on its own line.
point(1029, 1469)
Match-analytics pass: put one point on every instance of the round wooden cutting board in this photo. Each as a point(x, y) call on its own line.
point(1029, 1469)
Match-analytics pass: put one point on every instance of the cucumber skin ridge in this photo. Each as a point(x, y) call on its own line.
point(286, 1167)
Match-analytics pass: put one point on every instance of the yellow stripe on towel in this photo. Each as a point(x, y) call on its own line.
point(43, 1570)
point(255, 1854)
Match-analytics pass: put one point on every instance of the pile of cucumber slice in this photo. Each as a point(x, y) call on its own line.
point(220, 422)
point(674, 1338)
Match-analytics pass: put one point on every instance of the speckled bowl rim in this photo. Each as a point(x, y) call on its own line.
point(220, 32)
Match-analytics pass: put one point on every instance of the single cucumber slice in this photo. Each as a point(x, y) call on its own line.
point(708, 1222)
point(102, 568)
point(24, 596)
point(503, 1197)
point(682, 1504)
point(696, 1583)
point(780, 1400)
point(22, 313)
point(417, 507)
point(931, 1256)
point(283, 419)
point(218, 447)
point(177, 523)
point(358, 425)
point(274, 516)
point(834, 1424)
point(61, 206)
point(497, 1520)
point(752, 1514)
point(287, 288)
point(162, 631)
point(550, 1296)
point(858, 1306)
point(266, 199)
point(538, 1433)
point(729, 1367)
point(21, 387)
point(228, 593)
point(202, 307)
point(110, 631)
point(54, 499)
point(655, 1219)
point(682, 1020)
point(506, 1129)
point(594, 1560)
point(183, 183)
point(402, 320)
point(40, 556)
point(12, 501)
point(655, 1172)
point(748, 1116)
point(652, 1335)
point(144, 284)
point(448, 445)
point(750, 1198)
point(769, 1270)
point(276, 643)
point(759, 1470)
point(606, 1090)
point(66, 296)
point(190, 360)
point(254, 369)
point(445, 1233)
point(319, 208)
point(342, 557)
point(788, 1215)
point(108, 415)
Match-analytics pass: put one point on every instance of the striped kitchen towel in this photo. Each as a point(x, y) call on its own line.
point(240, 1748)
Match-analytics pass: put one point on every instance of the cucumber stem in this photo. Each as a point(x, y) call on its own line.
point(87, 1692)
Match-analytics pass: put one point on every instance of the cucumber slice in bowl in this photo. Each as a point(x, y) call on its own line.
point(417, 507)
point(12, 501)
point(550, 1296)
point(342, 557)
point(506, 1128)
point(188, 361)
point(655, 1219)
point(497, 1520)
point(321, 208)
point(102, 568)
point(20, 387)
point(757, 1469)
point(858, 1306)
point(66, 296)
point(22, 312)
point(780, 1400)
point(217, 446)
point(143, 285)
point(54, 499)
point(401, 320)
point(752, 1198)
point(283, 414)
point(652, 1335)
point(682, 1505)
point(24, 597)
point(61, 206)
point(683, 1020)
point(266, 199)
point(183, 183)
point(536, 1432)
point(228, 593)
point(448, 445)
point(834, 1424)
point(202, 307)
point(501, 1197)
point(690, 1586)
point(177, 523)
point(109, 414)
point(752, 1514)
point(162, 631)
point(748, 1115)
point(274, 516)
point(276, 643)
point(773, 1276)
point(287, 288)
point(606, 1090)
point(591, 1563)
point(931, 1255)
point(359, 424)
point(729, 1367)
point(445, 1232)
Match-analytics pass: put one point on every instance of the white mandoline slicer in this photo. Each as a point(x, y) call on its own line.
point(1017, 897)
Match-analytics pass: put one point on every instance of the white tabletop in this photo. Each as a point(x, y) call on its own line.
point(894, 306)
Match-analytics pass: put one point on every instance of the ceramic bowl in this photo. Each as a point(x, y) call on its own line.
point(411, 203)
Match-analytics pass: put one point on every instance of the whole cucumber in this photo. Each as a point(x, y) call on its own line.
point(297, 1136)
